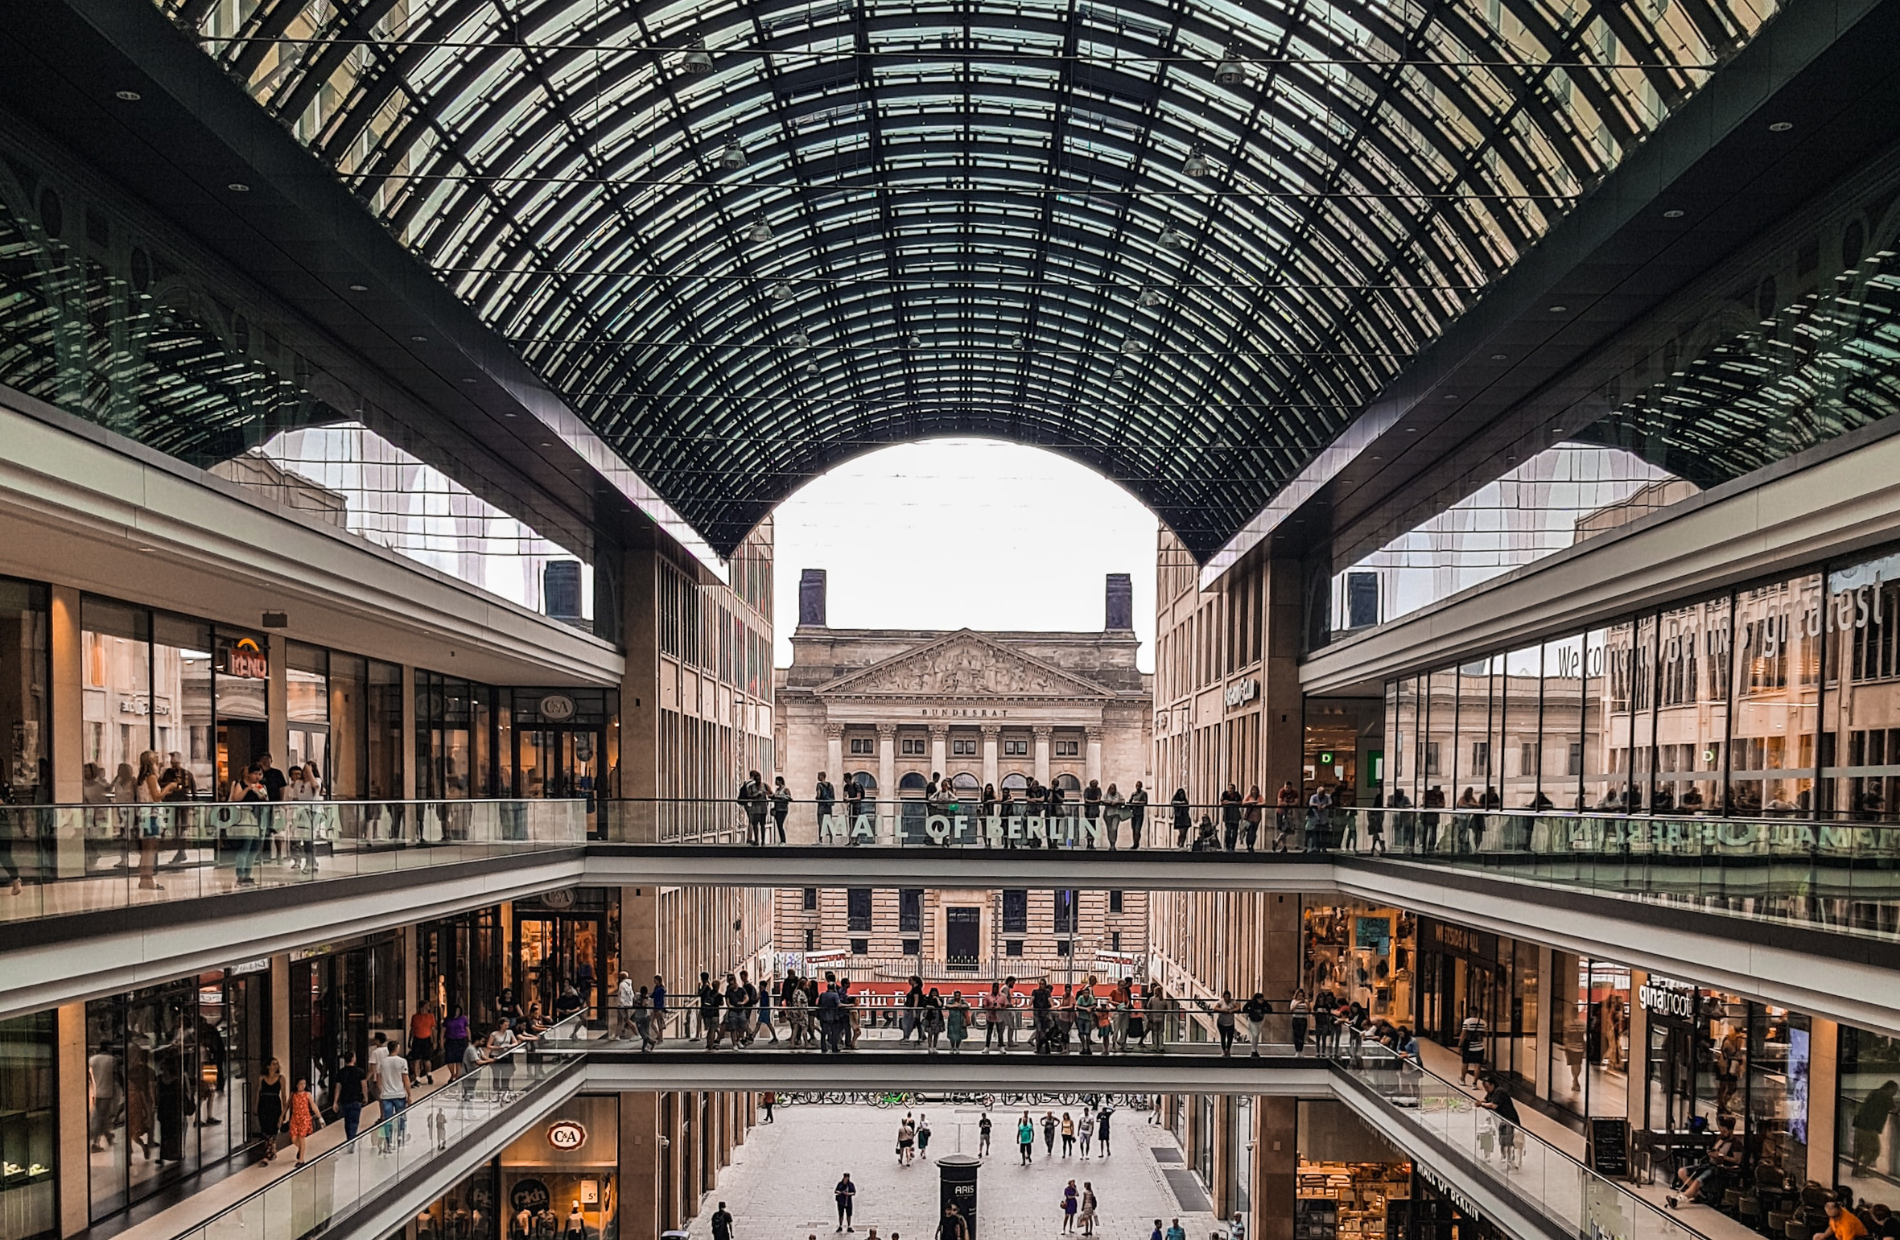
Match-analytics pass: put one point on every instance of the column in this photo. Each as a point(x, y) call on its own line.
point(277, 702)
point(940, 749)
point(66, 746)
point(73, 1208)
point(990, 733)
point(1275, 1168)
point(641, 1211)
point(1092, 762)
point(1042, 753)
point(640, 775)
point(407, 746)
point(887, 769)
point(1282, 710)
point(834, 754)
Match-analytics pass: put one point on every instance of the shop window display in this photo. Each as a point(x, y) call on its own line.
point(1590, 1035)
point(25, 704)
point(1352, 1184)
point(565, 1166)
point(1362, 955)
point(469, 1211)
point(28, 1128)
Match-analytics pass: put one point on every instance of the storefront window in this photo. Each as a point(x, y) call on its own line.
point(1776, 683)
point(240, 680)
point(1599, 779)
point(1362, 954)
point(1476, 763)
point(1861, 729)
point(181, 674)
point(307, 707)
point(29, 1128)
point(1780, 1056)
point(1352, 1181)
point(1642, 763)
point(25, 705)
point(1590, 1033)
point(1867, 1145)
point(384, 746)
point(468, 1211)
point(169, 1072)
point(116, 702)
point(1441, 737)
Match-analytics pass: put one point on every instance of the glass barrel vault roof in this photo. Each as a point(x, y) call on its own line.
point(972, 217)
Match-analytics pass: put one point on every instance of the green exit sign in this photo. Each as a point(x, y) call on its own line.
point(1325, 757)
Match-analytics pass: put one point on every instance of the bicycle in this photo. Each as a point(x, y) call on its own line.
point(885, 1101)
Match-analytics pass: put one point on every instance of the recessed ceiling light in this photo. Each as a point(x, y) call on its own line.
point(419, 340)
point(507, 415)
point(468, 378)
point(238, 187)
point(1556, 430)
point(1558, 309)
point(1498, 357)
point(547, 443)
point(1781, 127)
point(1673, 213)
point(1451, 396)
point(359, 288)
point(129, 96)
point(1411, 430)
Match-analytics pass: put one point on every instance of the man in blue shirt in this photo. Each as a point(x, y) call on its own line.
point(659, 1009)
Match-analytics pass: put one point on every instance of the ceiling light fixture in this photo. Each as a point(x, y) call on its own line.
point(1673, 213)
point(238, 187)
point(1131, 347)
point(1231, 71)
point(913, 341)
point(1173, 238)
point(798, 339)
point(811, 368)
point(697, 59)
point(1498, 357)
point(359, 288)
point(129, 96)
point(468, 378)
point(1197, 165)
point(781, 291)
point(1781, 127)
point(1558, 309)
point(1019, 341)
point(760, 232)
point(418, 340)
point(733, 157)
point(1150, 298)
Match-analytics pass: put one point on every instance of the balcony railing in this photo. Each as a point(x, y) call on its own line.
point(62, 859)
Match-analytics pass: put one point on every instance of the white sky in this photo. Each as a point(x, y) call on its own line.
point(964, 532)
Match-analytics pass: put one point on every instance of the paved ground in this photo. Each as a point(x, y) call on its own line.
point(779, 1186)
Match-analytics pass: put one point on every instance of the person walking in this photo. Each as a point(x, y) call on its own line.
point(624, 995)
point(1183, 817)
point(1286, 811)
point(1049, 1127)
point(1085, 1133)
point(303, 1118)
point(346, 1093)
point(843, 1192)
point(906, 1141)
point(1101, 1128)
point(269, 1108)
point(983, 1136)
point(1114, 810)
point(1471, 1048)
point(1088, 1208)
point(393, 1082)
point(1026, 1139)
point(951, 1228)
point(1319, 819)
point(1257, 1009)
point(1137, 814)
point(826, 796)
point(1175, 1230)
point(1071, 1201)
point(753, 799)
point(656, 1000)
point(1223, 1013)
point(1230, 809)
point(1068, 1134)
point(956, 1020)
point(722, 1223)
point(1298, 1011)
point(454, 1043)
point(923, 1135)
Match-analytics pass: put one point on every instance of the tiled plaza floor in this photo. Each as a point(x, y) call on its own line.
point(779, 1186)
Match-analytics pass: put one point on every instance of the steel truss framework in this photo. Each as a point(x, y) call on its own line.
point(971, 217)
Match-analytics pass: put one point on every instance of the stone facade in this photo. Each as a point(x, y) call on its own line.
point(1002, 708)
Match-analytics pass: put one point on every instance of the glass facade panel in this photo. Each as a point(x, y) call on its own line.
point(1560, 733)
point(1642, 693)
point(181, 674)
point(1520, 744)
point(1441, 738)
point(1772, 753)
point(1692, 708)
point(384, 743)
point(1867, 1140)
point(1476, 737)
point(1598, 780)
point(1860, 732)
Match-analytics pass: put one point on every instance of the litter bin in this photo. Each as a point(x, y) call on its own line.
point(956, 1179)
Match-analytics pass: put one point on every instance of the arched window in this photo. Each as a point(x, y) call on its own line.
point(1019, 782)
point(1068, 783)
point(912, 782)
point(966, 782)
point(866, 781)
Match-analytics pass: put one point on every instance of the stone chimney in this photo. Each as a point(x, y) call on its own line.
point(811, 597)
point(1121, 602)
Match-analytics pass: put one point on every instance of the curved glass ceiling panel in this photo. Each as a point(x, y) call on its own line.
point(1182, 245)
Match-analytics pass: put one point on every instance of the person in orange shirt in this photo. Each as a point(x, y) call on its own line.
point(422, 1042)
point(1842, 1224)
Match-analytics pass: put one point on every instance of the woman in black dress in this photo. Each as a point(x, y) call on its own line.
point(270, 1108)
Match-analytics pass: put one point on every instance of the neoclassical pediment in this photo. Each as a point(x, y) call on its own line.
point(964, 664)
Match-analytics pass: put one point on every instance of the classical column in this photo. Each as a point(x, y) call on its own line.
point(1042, 731)
point(990, 732)
point(834, 755)
point(1092, 762)
point(940, 749)
point(886, 769)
